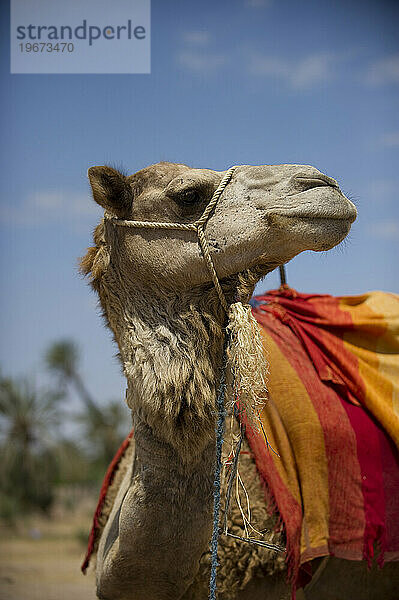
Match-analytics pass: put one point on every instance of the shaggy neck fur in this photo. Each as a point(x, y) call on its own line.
point(171, 354)
point(170, 346)
point(171, 350)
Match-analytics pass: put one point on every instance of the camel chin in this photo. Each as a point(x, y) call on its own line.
point(319, 234)
point(158, 298)
point(319, 218)
point(333, 233)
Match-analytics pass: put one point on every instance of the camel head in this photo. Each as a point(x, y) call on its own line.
point(156, 288)
point(265, 216)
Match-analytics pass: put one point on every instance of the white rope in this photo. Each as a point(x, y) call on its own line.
point(244, 342)
point(197, 226)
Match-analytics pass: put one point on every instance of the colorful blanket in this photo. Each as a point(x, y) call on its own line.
point(333, 417)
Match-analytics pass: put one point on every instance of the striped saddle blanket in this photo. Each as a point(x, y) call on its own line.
point(333, 417)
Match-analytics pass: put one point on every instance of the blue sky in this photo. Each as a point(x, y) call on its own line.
point(240, 81)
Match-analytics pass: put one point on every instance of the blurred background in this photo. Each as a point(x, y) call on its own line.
point(232, 82)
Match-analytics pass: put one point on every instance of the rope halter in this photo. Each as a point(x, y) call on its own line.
point(243, 348)
point(245, 351)
point(198, 226)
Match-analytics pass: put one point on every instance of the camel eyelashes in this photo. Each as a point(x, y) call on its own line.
point(189, 197)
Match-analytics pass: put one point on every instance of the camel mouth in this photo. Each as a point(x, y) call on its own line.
point(322, 217)
point(325, 233)
point(316, 231)
point(322, 202)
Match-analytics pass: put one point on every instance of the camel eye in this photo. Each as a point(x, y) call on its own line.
point(189, 197)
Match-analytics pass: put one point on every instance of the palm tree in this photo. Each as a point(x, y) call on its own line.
point(104, 433)
point(29, 420)
point(102, 425)
point(62, 358)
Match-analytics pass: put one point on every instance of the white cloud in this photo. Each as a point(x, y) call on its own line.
point(201, 62)
point(197, 56)
point(390, 140)
point(311, 71)
point(382, 190)
point(305, 73)
point(197, 38)
point(384, 71)
point(50, 206)
point(386, 230)
point(267, 65)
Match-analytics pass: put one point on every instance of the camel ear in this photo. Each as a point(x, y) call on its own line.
point(111, 190)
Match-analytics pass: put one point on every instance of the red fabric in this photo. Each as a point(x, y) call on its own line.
point(390, 459)
point(318, 322)
point(362, 467)
point(357, 466)
point(109, 476)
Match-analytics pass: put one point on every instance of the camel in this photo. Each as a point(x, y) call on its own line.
point(160, 302)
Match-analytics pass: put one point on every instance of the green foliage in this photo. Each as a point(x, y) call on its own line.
point(103, 430)
point(81, 536)
point(35, 454)
point(28, 467)
point(72, 462)
point(62, 357)
point(103, 427)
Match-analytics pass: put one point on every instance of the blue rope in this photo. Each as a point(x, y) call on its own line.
point(219, 430)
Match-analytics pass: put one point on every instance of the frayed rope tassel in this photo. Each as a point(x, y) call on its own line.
point(248, 363)
point(249, 368)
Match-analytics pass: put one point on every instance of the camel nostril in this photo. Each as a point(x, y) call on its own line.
point(308, 183)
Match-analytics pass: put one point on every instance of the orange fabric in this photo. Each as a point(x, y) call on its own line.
point(332, 416)
point(374, 341)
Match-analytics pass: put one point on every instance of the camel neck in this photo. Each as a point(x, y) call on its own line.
point(172, 358)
